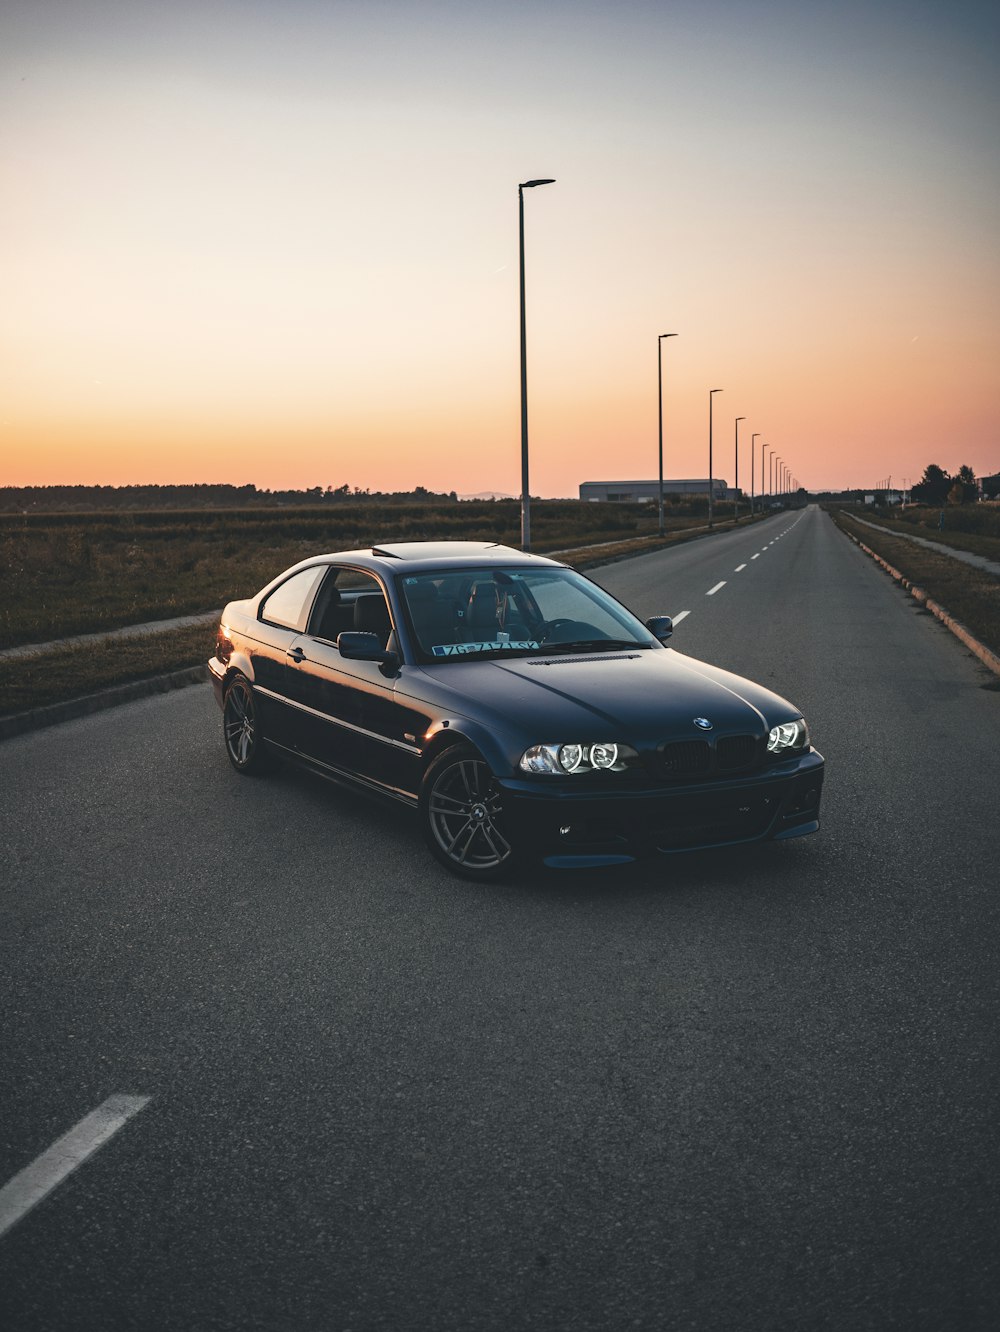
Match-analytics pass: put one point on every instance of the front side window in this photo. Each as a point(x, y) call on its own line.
point(289, 604)
point(494, 612)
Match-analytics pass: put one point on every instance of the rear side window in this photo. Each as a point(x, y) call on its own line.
point(289, 604)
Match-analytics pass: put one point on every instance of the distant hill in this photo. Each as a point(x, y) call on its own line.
point(488, 495)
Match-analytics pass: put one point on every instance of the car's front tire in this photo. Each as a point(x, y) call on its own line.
point(461, 811)
point(241, 729)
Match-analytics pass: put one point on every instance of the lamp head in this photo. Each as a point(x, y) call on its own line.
point(530, 184)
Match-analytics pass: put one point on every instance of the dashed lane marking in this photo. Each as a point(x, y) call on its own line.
point(35, 1181)
point(681, 615)
point(712, 591)
point(739, 568)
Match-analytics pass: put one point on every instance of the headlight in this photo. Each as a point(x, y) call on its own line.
point(562, 759)
point(787, 736)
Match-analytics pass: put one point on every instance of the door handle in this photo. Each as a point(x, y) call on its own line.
point(296, 654)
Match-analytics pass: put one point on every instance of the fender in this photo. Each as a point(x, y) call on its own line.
point(454, 730)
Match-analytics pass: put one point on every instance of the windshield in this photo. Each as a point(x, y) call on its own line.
point(495, 612)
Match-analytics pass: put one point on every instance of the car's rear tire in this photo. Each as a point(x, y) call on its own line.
point(461, 812)
point(241, 729)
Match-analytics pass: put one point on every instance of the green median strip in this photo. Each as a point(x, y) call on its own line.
point(73, 672)
point(969, 595)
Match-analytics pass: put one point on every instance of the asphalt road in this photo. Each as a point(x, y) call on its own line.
point(739, 1090)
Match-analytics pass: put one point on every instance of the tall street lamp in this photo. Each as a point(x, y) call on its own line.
point(525, 495)
point(754, 436)
point(711, 479)
point(659, 385)
point(763, 450)
point(736, 483)
point(774, 459)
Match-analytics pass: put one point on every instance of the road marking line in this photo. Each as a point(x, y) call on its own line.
point(31, 1185)
point(755, 557)
point(712, 591)
point(682, 615)
point(739, 568)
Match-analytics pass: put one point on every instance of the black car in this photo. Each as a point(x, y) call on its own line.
point(523, 711)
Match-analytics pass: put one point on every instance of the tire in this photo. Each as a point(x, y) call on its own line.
point(241, 730)
point(461, 815)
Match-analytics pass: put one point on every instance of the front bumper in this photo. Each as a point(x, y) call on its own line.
point(570, 827)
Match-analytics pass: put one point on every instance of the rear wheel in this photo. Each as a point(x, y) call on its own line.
point(241, 728)
point(461, 809)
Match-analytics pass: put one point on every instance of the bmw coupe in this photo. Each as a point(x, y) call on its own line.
point(521, 710)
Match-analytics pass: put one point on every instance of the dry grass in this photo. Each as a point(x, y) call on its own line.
point(973, 528)
point(73, 672)
point(970, 595)
point(229, 568)
point(68, 574)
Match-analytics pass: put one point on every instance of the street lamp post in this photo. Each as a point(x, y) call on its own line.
point(755, 435)
point(711, 479)
point(763, 450)
point(659, 385)
point(525, 493)
point(736, 483)
point(774, 460)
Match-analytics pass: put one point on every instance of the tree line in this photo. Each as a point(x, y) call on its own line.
point(936, 486)
point(87, 499)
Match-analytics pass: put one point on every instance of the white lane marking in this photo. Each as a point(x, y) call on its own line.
point(682, 615)
point(712, 591)
point(739, 568)
point(31, 1185)
point(755, 557)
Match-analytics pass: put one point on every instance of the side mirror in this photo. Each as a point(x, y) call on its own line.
point(359, 645)
point(660, 626)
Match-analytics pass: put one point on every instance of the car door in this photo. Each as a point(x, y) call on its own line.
point(282, 616)
point(348, 720)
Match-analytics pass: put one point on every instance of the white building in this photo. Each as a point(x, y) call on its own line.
point(632, 492)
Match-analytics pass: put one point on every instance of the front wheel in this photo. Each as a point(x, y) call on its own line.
point(241, 728)
point(461, 810)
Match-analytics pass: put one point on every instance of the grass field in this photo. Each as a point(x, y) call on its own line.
point(65, 574)
point(68, 573)
point(973, 527)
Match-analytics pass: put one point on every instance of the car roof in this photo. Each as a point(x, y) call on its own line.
point(414, 556)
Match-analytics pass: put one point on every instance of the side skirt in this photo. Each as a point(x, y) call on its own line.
point(349, 780)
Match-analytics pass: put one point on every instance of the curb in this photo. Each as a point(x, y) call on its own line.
point(34, 720)
point(986, 655)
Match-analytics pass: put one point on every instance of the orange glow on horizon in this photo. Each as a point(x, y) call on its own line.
point(297, 280)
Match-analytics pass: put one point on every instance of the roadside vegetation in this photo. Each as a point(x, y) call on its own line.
point(970, 595)
point(65, 574)
point(71, 573)
point(74, 672)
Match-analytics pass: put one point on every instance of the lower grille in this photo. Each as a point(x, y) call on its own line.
point(733, 824)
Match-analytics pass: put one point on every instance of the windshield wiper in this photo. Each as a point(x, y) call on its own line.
point(595, 645)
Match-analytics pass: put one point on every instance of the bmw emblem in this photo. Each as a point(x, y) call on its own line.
point(703, 723)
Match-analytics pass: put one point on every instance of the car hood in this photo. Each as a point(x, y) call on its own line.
point(608, 695)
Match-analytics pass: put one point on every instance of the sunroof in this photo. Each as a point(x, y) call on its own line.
point(422, 550)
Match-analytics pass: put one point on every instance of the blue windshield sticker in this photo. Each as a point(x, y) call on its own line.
point(463, 649)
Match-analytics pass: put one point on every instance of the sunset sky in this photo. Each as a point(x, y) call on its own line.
point(265, 242)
